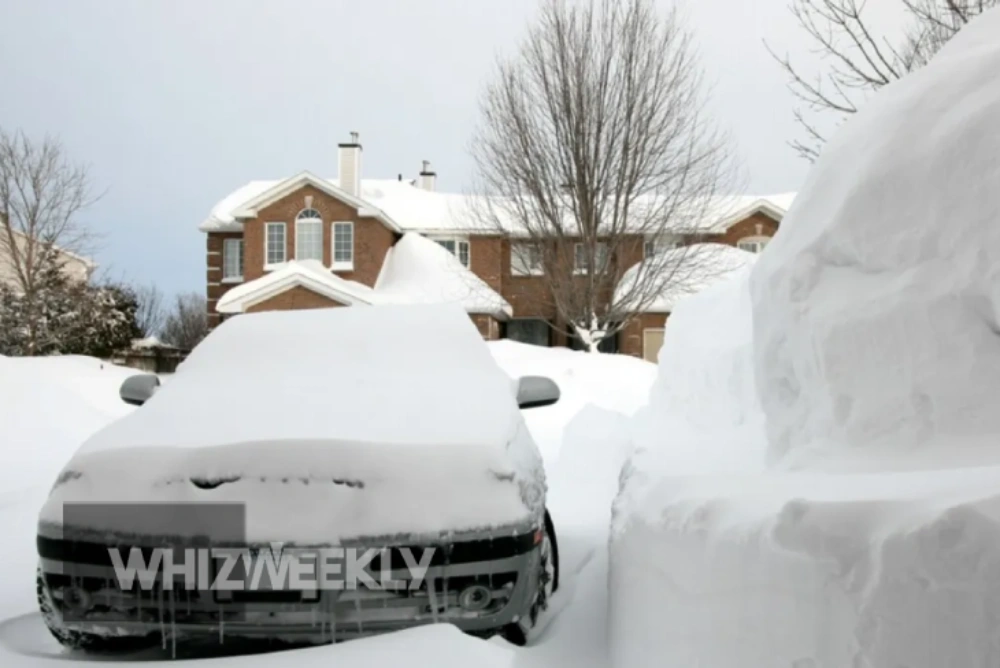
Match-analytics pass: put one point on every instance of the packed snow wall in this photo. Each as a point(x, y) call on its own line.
point(861, 526)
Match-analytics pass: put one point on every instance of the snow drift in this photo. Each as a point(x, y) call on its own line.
point(863, 529)
point(364, 413)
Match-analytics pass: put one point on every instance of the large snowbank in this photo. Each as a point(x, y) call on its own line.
point(848, 512)
point(362, 412)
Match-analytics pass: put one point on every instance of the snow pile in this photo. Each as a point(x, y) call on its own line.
point(876, 316)
point(615, 383)
point(683, 272)
point(363, 412)
point(860, 526)
point(420, 271)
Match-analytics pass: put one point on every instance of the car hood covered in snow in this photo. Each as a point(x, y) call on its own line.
point(328, 425)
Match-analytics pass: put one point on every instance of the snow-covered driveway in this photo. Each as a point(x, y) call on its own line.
point(49, 406)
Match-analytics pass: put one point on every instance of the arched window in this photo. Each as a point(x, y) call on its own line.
point(752, 244)
point(309, 235)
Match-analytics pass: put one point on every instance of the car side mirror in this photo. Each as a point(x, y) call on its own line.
point(137, 390)
point(536, 391)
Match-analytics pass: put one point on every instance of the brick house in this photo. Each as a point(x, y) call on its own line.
point(310, 242)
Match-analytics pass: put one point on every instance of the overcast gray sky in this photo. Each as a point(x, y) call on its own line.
point(174, 103)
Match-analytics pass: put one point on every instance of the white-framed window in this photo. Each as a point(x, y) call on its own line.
point(343, 246)
point(660, 243)
point(580, 257)
point(232, 260)
point(526, 259)
point(752, 244)
point(275, 252)
point(309, 235)
point(457, 246)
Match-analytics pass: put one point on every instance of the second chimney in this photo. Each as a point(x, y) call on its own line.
point(427, 177)
point(350, 166)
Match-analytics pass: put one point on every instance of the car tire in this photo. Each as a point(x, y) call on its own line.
point(517, 632)
point(78, 641)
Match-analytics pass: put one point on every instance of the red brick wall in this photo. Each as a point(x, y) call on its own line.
point(372, 239)
point(293, 299)
point(215, 287)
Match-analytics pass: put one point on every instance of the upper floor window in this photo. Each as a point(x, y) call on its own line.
point(232, 260)
point(343, 246)
point(661, 243)
point(581, 253)
point(275, 251)
point(309, 235)
point(526, 259)
point(752, 244)
point(456, 246)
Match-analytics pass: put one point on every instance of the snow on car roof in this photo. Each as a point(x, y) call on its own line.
point(399, 374)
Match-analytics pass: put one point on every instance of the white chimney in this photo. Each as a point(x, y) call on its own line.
point(427, 177)
point(350, 166)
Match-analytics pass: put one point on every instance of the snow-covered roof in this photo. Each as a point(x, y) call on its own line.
point(420, 271)
point(309, 274)
point(685, 271)
point(415, 271)
point(404, 206)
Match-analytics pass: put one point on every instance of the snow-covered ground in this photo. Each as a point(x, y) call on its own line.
point(49, 406)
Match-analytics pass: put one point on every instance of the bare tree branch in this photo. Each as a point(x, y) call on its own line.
point(593, 140)
point(858, 59)
point(150, 315)
point(41, 196)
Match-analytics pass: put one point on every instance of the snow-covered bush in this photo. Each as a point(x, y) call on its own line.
point(860, 526)
point(68, 317)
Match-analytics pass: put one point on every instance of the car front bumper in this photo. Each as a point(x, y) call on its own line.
point(84, 590)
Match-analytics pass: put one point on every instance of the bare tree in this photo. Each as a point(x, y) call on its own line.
point(593, 141)
point(187, 324)
point(41, 236)
point(150, 315)
point(858, 58)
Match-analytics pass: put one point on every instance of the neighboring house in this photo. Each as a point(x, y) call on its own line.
point(76, 267)
point(311, 242)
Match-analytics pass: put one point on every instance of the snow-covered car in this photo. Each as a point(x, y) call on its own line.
point(385, 430)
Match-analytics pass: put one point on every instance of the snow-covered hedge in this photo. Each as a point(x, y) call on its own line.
point(842, 509)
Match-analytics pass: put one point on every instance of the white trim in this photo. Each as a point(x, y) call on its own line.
point(214, 253)
point(284, 188)
point(650, 329)
point(765, 206)
point(312, 222)
point(266, 287)
point(457, 239)
point(275, 265)
point(342, 265)
point(761, 240)
point(520, 273)
point(232, 280)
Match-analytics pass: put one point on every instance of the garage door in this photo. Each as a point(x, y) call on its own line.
point(652, 341)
